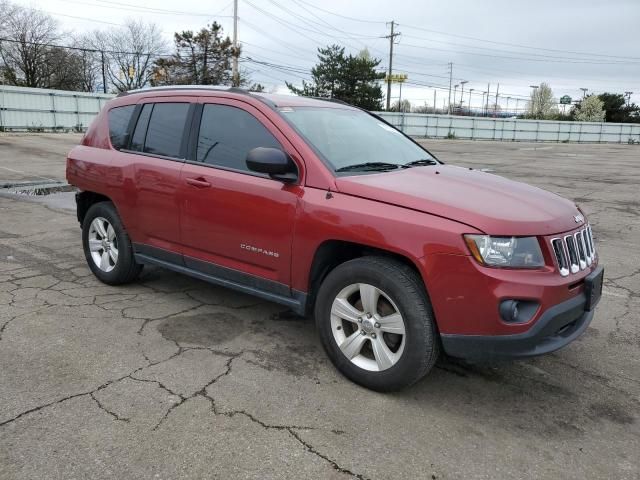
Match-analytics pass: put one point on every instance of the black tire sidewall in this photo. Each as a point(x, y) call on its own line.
point(121, 272)
point(420, 339)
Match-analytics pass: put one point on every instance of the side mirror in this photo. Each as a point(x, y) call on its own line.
point(273, 162)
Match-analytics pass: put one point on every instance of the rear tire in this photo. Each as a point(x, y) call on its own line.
point(107, 246)
point(376, 323)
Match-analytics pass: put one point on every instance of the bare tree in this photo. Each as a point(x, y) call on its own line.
point(29, 33)
point(89, 65)
point(130, 53)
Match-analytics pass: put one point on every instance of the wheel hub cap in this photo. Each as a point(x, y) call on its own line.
point(368, 325)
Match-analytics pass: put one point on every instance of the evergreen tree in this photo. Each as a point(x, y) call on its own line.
point(352, 79)
point(202, 58)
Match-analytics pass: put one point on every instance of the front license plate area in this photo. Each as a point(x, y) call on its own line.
point(593, 288)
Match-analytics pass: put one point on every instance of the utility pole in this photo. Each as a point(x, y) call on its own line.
point(628, 95)
point(584, 92)
point(495, 107)
point(434, 101)
point(104, 74)
point(470, 93)
point(235, 76)
point(392, 36)
point(450, 82)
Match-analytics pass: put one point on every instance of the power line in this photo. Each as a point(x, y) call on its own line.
point(552, 59)
point(516, 45)
point(464, 45)
point(140, 9)
point(342, 16)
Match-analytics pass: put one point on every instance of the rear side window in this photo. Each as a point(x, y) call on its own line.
point(159, 129)
point(139, 134)
point(119, 118)
point(227, 134)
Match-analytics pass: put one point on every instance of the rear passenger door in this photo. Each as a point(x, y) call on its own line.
point(156, 154)
point(236, 223)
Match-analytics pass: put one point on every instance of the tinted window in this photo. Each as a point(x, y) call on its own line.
point(118, 122)
point(227, 134)
point(140, 132)
point(166, 126)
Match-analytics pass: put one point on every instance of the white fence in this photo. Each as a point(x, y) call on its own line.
point(511, 129)
point(37, 109)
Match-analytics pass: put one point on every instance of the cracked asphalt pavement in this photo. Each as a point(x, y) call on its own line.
point(171, 377)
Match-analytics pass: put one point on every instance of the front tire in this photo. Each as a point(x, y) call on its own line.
point(107, 246)
point(376, 323)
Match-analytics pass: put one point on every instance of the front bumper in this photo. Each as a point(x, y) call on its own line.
point(555, 328)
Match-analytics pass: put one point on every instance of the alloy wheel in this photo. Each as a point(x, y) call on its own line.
point(368, 327)
point(103, 244)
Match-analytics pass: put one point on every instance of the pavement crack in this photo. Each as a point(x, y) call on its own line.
point(311, 449)
point(61, 400)
point(105, 409)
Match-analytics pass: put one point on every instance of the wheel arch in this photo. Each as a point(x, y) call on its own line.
point(332, 253)
point(84, 201)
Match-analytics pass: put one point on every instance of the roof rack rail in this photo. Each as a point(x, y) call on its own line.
point(333, 100)
point(185, 87)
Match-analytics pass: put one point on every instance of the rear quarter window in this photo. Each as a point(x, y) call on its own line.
point(119, 118)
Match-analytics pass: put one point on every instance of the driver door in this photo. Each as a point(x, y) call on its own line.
point(235, 223)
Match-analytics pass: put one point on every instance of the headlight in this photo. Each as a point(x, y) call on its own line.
point(514, 252)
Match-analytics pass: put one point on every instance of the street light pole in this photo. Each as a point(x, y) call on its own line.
point(534, 107)
point(462, 92)
point(470, 92)
point(455, 89)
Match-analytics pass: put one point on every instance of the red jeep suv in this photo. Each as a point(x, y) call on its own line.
point(326, 208)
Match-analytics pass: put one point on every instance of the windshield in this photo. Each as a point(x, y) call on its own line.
point(352, 140)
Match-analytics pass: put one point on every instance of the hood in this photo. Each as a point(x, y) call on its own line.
point(490, 203)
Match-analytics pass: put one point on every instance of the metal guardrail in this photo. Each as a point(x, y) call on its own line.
point(511, 129)
point(39, 109)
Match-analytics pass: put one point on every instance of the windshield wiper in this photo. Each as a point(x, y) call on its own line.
point(421, 163)
point(369, 166)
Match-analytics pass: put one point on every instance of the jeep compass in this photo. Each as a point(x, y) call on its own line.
point(329, 210)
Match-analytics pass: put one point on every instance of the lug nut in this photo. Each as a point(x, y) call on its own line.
point(373, 335)
point(377, 325)
point(368, 315)
point(360, 320)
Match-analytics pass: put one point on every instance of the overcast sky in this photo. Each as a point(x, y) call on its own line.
point(568, 43)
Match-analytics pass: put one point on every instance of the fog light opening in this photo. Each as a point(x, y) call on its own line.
point(517, 311)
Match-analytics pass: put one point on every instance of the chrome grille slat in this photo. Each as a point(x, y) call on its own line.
point(574, 252)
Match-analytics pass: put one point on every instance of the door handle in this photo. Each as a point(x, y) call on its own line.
point(198, 182)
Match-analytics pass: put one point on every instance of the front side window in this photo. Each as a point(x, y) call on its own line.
point(165, 129)
point(348, 138)
point(227, 134)
point(119, 118)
